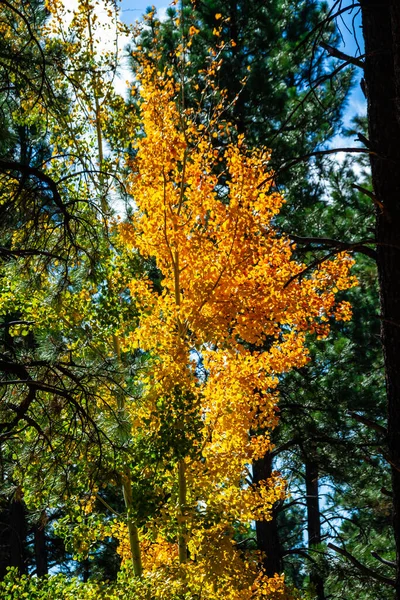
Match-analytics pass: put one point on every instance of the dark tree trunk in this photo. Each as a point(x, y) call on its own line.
point(4, 542)
point(239, 107)
point(381, 28)
point(17, 535)
point(86, 570)
point(41, 557)
point(313, 520)
point(267, 531)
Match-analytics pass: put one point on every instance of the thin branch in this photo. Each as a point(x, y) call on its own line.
point(357, 62)
point(342, 246)
point(286, 446)
point(365, 570)
point(331, 16)
point(368, 422)
point(306, 157)
point(107, 505)
point(300, 551)
point(371, 195)
point(43, 177)
point(11, 323)
point(29, 252)
point(312, 266)
point(384, 561)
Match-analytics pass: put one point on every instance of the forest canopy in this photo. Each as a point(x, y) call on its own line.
point(193, 349)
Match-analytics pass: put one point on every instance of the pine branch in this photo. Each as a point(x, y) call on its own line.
point(357, 62)
point(368, 422)
point(29, 252)
point(364, 569)
point(6, 165)
point(371, 195)
point(390, 563)
point(342, 246)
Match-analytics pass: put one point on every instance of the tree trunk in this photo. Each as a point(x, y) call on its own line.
point(267, 531)
point(313, 521)
point(85, 570)
point(41, 557)
point(381, 28)
point(238, 107)
point(17, 539)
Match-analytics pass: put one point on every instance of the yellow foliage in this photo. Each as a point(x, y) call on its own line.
point(235, 302)
point(231, 317)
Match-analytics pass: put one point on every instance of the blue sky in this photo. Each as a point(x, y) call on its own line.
point(133, 9)
point(349, 25)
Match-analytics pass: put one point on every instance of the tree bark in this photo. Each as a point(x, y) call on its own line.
point(41, 556)
point(313, 521)
point(18, 531)
point(85, 570)
point(268, 540)
point(381, 28)
point(237, 90)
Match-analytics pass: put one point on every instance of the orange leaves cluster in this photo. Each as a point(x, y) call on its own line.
point(213, 231)
point(233, 302)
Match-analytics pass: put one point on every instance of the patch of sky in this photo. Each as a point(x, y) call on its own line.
point(133, 10)
point(351, 43)
point(332, 516)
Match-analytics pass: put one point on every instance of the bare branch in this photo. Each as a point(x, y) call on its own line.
point(357, 62)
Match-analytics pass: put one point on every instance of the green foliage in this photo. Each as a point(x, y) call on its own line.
point(59, 587)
